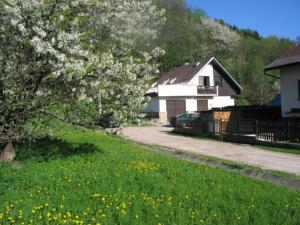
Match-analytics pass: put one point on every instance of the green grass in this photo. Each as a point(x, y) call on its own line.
point(277, 149)
point(231, 165)
point(83, 177)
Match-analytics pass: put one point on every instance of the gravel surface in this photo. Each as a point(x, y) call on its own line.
point(243, 154)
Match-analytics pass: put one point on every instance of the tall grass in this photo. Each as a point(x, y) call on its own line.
point(83, 177)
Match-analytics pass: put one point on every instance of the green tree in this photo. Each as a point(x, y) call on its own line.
point(189, 35)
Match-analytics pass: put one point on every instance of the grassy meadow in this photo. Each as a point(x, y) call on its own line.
point(83, 177)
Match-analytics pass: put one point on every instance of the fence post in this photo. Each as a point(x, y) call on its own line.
point(256, 130)
point(288, 131)
point(221, 129)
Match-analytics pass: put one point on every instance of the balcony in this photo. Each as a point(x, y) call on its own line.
point(207, 90)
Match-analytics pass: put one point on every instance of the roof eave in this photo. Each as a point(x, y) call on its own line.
point(269, 68)
point(229, 75)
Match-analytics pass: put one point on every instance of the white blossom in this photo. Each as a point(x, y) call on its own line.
point(74, 59)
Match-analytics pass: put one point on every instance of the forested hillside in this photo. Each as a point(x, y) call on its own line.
point(189, 35)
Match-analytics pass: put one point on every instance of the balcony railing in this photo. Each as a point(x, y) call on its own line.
point(207, 90)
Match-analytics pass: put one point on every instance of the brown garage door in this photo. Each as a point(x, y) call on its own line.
point(175, 107)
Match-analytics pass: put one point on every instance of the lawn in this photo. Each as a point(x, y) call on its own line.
point(83, 177)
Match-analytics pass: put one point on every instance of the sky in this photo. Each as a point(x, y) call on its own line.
point(268, 17)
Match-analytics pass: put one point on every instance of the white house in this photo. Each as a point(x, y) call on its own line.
point(190, 88)
point(289, 67)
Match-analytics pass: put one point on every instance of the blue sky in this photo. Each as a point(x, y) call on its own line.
point(268, 17)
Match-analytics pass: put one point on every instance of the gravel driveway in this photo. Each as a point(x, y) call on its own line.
point(244, 154)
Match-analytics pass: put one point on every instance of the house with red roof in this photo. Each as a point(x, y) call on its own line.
point(289, 67)
point(195, 87)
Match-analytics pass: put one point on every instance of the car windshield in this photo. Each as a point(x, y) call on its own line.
point(193, 116)
point(182, 116)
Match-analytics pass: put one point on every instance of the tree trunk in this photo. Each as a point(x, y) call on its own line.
point(8, 153)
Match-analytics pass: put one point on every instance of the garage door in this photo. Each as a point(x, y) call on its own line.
point(175, 107)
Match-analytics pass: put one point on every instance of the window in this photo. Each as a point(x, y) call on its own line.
point(194, 116)
point(183, 116)
point(218, 81)
point(299, 89)
point(204, 81)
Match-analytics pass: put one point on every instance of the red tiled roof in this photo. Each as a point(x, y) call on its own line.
point(291, 58)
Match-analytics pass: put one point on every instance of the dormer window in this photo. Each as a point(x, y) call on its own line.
point(172, 81)
point(166, 81)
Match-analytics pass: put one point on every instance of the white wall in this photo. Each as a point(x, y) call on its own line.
point(162, 105)
point(206, 71)
point(289, 89)
point(152, 106)
point(177, 90)
point(191, 105)
point(220, 101)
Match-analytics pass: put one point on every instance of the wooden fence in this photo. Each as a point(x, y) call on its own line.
point(272, 131)
point(275, 131)
point(279, 131)
point(241, 127)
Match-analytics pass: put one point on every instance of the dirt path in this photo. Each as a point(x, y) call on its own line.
point(244, 154)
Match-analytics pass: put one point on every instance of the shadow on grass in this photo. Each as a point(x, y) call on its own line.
point(47, 149)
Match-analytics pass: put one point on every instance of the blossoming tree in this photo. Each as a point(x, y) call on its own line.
point(73, 60)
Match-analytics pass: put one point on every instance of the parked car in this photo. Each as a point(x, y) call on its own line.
point(174, 119)
point(187, 119)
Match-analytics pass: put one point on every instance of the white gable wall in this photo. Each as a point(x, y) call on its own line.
point(289, 89)
point(208, 70)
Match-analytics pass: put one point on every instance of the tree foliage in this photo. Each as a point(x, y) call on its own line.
point(189, 35)
point(74, 60)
